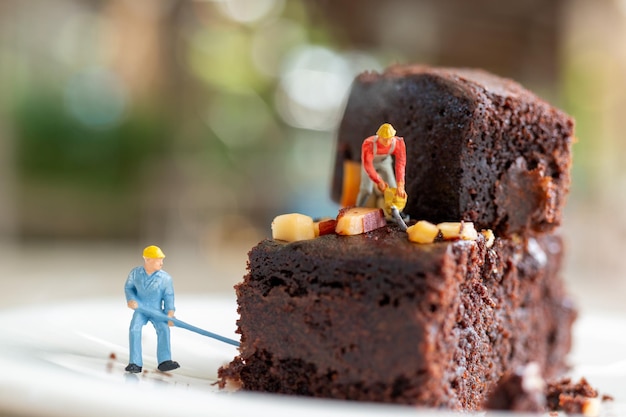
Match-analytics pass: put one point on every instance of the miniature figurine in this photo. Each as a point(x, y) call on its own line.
point(377, 165)
point(149, 287)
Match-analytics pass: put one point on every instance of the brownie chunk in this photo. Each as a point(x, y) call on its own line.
point(374, 317)
point(479, 148)
point(573, 397)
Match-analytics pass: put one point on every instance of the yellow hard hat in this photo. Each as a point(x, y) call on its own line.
point(153, 252)
point(386, 131)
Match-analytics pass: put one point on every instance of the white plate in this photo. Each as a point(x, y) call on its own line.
point(57, 360)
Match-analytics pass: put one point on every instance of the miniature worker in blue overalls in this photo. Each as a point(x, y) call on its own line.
point(377, 164)
point(150, 287)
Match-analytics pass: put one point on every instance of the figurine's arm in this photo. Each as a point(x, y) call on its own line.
point(367, 159)
point(130, 291)
point(168, 298)
point(400, 156)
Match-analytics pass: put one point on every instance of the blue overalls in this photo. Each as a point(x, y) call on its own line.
point(155, 292)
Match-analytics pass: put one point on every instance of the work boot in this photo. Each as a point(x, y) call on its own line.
point(132, 368)
point(168, 366)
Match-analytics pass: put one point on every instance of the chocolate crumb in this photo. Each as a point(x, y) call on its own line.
point(572, 397)
point(525, 390)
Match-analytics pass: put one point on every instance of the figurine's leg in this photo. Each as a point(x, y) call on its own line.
point(365, 190)
point(386, 172)
point(163, 341)
point(136, 324)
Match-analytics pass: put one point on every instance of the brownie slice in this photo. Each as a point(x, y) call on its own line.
point(479, 148)
point(374, 317)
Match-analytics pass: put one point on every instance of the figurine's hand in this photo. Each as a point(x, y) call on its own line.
point(170, 314)
point(382, 186)
point(400, 192)
point(132, 304)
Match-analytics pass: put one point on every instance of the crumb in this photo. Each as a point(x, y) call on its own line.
point(109, 365)
point(572, 398)
point(228, 376)
point(525, 390)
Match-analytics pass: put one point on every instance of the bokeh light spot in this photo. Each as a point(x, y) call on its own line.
point(249, 11)
point(272, 41)
point(239, 120)
point(314, 84)
point(212, 59)
point(96, 98)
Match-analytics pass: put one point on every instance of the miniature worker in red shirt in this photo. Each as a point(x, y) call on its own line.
point(377, 164)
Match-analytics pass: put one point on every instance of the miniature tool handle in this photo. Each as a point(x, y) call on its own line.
point(158, 315)
point(396, 215)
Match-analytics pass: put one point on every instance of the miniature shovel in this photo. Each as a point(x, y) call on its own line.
point(158, 315)
point(395, 213)
point(394, 205)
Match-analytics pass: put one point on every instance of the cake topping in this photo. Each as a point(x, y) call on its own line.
point(423, 232)
point(293, 227)
point(489, 237)
point(457, 230)
point(426, 232)
point(357, 220)
point(324, 227)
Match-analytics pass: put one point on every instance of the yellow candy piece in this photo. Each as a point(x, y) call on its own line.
point(293, 227)
point(422, 232)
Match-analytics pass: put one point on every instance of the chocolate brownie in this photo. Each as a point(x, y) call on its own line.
point(479, 148)
point(374, 317)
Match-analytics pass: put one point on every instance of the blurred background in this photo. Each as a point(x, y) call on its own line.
point(191, 124)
